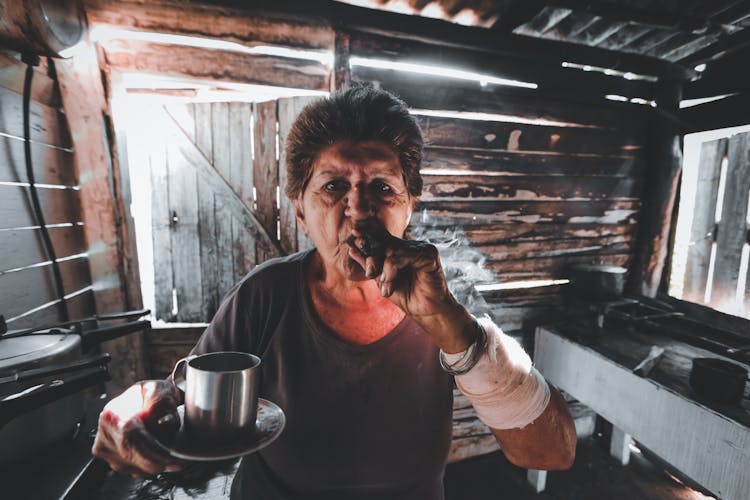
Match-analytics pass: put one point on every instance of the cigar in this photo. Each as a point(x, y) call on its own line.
point(372, 244)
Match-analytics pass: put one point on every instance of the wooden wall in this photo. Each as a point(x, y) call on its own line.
point(536, 180)
point(27, 291)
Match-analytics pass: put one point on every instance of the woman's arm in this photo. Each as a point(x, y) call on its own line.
point(548, 443)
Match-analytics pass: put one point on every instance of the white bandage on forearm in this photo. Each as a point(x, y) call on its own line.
point(505, 390)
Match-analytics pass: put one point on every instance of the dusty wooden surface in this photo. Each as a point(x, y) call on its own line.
point(703, 441)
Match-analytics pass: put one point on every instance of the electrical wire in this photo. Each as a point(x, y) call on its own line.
point(32, 61)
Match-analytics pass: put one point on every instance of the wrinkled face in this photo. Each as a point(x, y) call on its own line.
point(352, 184)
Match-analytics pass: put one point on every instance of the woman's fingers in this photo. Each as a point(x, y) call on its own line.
point(122, 438)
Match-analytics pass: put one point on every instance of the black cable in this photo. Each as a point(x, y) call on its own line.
point(32, 61)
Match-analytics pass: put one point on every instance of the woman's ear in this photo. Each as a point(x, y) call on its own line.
point(300, 214)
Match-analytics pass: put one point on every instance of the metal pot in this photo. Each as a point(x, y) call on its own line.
point(718, 380)
point(596, 282)
point(45, 380)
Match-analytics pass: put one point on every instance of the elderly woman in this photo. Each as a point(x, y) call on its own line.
point(360, 337)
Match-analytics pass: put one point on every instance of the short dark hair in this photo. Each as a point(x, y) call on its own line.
point(360, 112)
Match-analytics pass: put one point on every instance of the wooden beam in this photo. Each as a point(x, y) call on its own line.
point(86, 112)
point(342, 74)
point(724, 46)
point(664, 162)
point(211, 21)
point(551, 78)
point(221, 65)
point(732, 111)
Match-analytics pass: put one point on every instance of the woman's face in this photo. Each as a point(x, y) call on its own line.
point(352, 184)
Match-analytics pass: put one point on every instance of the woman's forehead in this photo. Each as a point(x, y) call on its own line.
point(370, 155)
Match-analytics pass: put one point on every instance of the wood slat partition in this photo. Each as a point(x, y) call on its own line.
point(209, 228)
point(27, 292)
point(732, 233)
point(702, 234)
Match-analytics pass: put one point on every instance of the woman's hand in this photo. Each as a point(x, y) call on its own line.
point(128, 423)
point(409, 273)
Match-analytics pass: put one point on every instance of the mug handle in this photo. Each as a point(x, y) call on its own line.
point(180, 379)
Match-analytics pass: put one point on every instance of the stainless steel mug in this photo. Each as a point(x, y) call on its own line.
point(221, 394)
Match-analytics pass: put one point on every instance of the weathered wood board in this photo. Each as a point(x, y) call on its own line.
point(704, 219)
point(733, 224)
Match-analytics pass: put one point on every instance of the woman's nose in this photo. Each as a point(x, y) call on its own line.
point(359, 203)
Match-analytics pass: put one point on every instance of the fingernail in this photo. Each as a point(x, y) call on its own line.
point(384, 289)
point(370, 271)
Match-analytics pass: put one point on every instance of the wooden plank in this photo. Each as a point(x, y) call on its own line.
point(512, 162)
point(161, 223)
point(47, 125)
point(210, 21)
point(243, 250)
point(203, 135)
point(574, 212)
point(521, 269)
point(88, 116)
point(538, 187)
point(664, 160)
point(31, 287)
point(24, 247)
point(184, 235)
point(210, 251)
point(341, 66)
point(541, 233)
point(220, 140)
point(704, 219)
point(43, 88)
point(58, 206)
point(184, 115)
point(79, 306)
point(51, 165)
point(555, 248)
point(292, 238)
point(215, 64)
point(265, 168)
point(224, 243)
point(668, 424)
point(733, 224)
point(240, 151)
point(431, 92)
point(522, 137)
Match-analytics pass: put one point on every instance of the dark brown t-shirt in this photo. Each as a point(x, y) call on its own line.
point(363, 422)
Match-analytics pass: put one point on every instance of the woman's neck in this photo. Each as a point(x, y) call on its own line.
point(354, 310)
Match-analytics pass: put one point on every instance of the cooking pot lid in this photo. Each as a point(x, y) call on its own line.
point(19, 351)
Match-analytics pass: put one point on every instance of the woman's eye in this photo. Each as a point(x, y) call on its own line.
point(382, 187)
point(333, 186)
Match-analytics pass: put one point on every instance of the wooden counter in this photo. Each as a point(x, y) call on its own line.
point(710, 445)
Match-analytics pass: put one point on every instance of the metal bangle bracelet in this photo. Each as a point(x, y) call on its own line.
point(471, 356)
